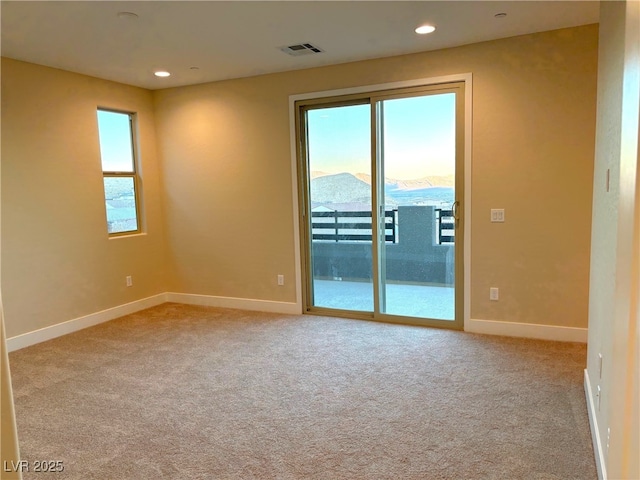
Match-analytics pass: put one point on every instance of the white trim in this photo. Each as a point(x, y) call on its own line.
point(296, 204)
point(595, 432)
point(59, 329)
point(527, 330)
point(70, 326)
point(419, 82)
point(467, 78)
point(233, 302)
point(466, 212)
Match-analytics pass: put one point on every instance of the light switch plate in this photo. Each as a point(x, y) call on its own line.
point(497, 214)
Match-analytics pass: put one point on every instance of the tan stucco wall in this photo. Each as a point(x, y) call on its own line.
point(225, 154)
point(220, 183)
point(58, 263)
point(614, 318)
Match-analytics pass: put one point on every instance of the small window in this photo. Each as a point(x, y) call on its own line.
point(119, 171)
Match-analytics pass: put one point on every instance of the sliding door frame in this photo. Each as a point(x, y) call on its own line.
point(369, 95)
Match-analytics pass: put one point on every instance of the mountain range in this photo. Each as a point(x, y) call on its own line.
point(349, 188)
point(424, 182)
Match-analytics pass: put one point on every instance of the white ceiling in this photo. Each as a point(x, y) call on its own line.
point(242, 38)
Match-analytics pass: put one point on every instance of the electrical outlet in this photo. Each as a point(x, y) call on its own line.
point(129, 281)
point(494, 294)
point(280, 280)
point(497, 214)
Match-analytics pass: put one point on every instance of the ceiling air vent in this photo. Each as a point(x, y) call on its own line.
point(301, 49)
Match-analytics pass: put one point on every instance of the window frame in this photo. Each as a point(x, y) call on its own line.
point(134, 175)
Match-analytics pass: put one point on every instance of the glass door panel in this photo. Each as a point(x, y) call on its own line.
point(417, 170)
point(339, 210)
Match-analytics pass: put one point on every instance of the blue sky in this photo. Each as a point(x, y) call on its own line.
point(115, 141)
point(419, 137)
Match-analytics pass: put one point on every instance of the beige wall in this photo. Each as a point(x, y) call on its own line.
point(58, 263)
point(225, 155)
point(614, 317)
point(222, 185)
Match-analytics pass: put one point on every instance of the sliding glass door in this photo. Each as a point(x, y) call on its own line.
point(381, 188)
point(339, 207)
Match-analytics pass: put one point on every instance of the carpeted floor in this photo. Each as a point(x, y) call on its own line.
point(183, 392)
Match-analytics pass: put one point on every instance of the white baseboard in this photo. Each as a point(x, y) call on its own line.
point(595, 433)
point(232, 302)
point(491, 327)
point(527, 330)
point(59, 329)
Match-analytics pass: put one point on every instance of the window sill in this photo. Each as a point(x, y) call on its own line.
point(127, 235)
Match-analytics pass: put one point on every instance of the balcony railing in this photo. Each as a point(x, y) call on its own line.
point(419, 247)
point(342, 226)
point(446, 226)
point(339, 226)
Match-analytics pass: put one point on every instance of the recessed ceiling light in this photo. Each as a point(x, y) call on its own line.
point(500, 15)
point(423, 29)
point(161, 73)
point(128, 15)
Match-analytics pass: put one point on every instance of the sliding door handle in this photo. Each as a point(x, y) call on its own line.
point(455, 210)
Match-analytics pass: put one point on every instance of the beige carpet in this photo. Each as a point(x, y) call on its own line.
point(182, 392)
